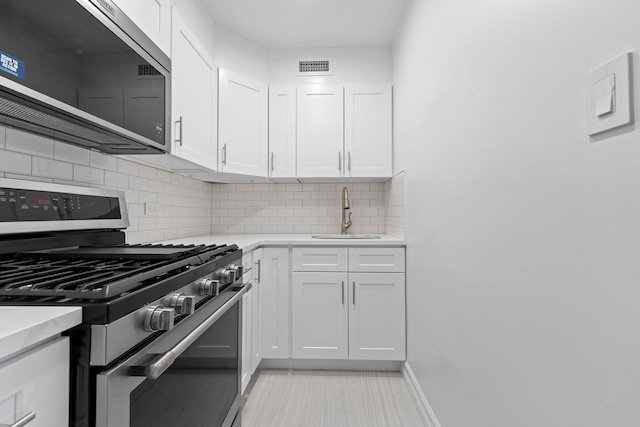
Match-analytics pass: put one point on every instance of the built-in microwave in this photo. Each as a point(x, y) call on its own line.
point(82, 72)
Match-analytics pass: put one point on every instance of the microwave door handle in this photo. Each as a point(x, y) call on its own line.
point(165, 360)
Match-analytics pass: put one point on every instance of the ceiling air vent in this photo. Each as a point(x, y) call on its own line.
point(321, 67)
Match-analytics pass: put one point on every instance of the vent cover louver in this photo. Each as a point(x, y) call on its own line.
point(147, 70)
point(314, 67)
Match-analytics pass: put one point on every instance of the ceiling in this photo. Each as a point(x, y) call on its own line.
point(310, 23)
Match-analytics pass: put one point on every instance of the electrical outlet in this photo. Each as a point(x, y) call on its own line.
point(150, 208)
point(251, 210)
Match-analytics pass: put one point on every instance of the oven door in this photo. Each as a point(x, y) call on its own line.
point(189, 376)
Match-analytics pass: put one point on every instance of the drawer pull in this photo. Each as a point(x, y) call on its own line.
point(22, 421)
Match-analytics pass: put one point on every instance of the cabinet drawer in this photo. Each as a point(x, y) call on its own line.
point(320, 259)
point(37, 381)
point(385, 260)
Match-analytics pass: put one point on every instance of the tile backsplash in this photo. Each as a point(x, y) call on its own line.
point(184, 203)
point(189, 207)
point(296, 208)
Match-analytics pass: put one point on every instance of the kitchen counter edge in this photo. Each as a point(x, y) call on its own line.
point(250, 242)
point(23, 327)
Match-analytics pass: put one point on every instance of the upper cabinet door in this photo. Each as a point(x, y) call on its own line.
point(282, 131)
point(243, 124)
point(320, 131)
point(193, 98)
point(368, 134)
point(153, 17)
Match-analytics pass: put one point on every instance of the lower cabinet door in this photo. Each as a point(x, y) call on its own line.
point(319, 315)
point(247, 332)
point(274, 282)
point(37, 383)
point(377, 316)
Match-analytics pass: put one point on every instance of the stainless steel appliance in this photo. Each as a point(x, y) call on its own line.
point(82, 72)
point(160, 340)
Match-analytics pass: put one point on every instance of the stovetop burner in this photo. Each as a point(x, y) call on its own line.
point(93, 273)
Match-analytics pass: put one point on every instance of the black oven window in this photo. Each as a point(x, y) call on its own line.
point(200, 387)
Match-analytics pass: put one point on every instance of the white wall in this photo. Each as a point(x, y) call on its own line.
point(523, 234)
point(241, 55)
point(349, 65)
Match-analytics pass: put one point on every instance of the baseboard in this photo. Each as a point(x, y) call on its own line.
point(424, 409)
point(338, 365)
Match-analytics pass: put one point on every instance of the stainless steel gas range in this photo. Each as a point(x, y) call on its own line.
point(160, 340)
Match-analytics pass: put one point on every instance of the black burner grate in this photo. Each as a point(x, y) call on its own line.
point(101, 274)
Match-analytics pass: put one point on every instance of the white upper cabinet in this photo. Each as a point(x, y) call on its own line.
point(367, 128)
point(193, 98)
point(320, 131)
point(344, 131)
point(243, 124)
point(282, 131)
point(153, 17)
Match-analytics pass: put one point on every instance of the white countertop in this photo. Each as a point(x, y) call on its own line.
point(249, 242)
point(22, 327)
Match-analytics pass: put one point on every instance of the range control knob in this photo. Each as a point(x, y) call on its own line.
point(209, 287)
point(229, 274)
point(183, 304)
point(159, 318)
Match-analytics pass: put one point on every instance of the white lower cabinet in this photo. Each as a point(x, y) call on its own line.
point(276, 270)
point(348, 314)
point(37, 382)
point(377, 316)
point(319, 312)
point(251, 316)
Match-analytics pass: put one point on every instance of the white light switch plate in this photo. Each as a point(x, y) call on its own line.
point(608, 92)
point(150, 208)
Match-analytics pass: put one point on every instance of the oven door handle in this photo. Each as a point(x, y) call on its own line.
point(165, 360)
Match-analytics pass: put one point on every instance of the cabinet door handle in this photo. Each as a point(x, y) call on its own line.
point(349, 156)
point(179, 139)
point(22, 421)
point(259, 271)
point(354, 293)
point(343, 292)
point(340, 161)
point(272, 164)
point(224, 154)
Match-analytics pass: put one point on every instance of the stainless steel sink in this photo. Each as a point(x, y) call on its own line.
point(346, 236)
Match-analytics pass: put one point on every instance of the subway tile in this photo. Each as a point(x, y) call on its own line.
point(261, 187)
point(116, 179)
point(316, 229)
point(127, 167)
point(148, 172)
point(269, 196)
point(103, 161)
point(28, 143)
point(236, 196)
point(286, 229)
point(70, 153)
point(277, 220)
point(88, 175)
point(156, 235)
point(294, 203)
point(51, 168)
point(163, 176)
point(269, 229)
point(302, 196)
point(285, 196)
point(302, 229)
point(147, 196)
point(131, 196)
point(17, 163)
point(27, 177)
point(244, 187)
point(228, 204)
point(3, 136)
